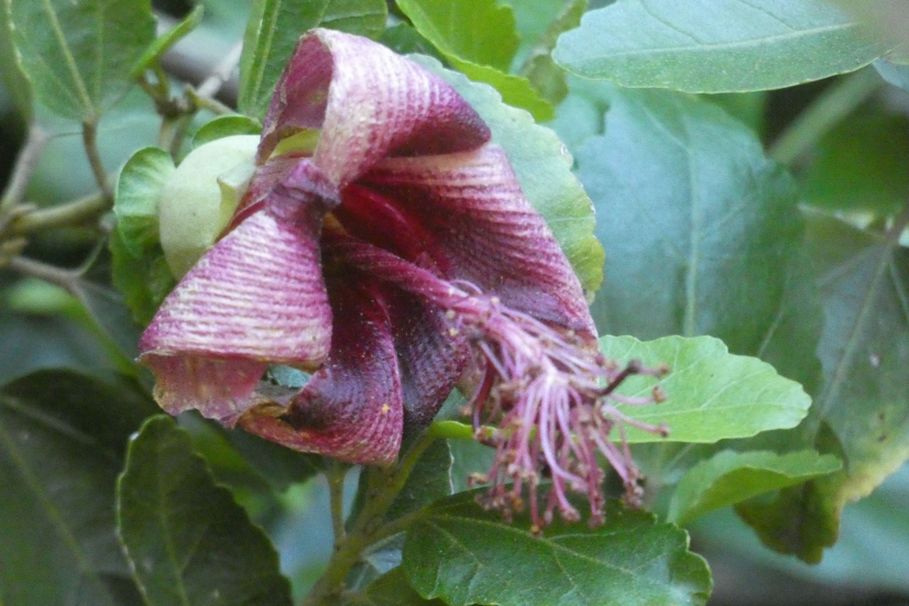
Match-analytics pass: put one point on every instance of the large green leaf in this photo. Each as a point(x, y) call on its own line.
point(464, 555)
point(543, 167)
point(62, 439)
point(701, 230)
point(729, 477)
point(717, 46)
point(478, 38)
point(188, 540)
point(712, 394)
point(861, 405)
point(79, 55)
point(276, 25)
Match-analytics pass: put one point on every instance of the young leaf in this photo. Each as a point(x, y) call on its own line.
point(138, 189)
point(187, 539)
point(730, 477)
point(143, 280)
point(267, 46)
point(62, 439)
point(722, 46)
point(712, 394)
point(78, 55)
point(479, 39)
point(164, 42)
point(543, 168)
point(464, 555)
point(699, 224)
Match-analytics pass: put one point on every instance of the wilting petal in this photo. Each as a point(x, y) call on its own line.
point(488, 232)
point(352, 408)
point(218, 387)
point(369, 102)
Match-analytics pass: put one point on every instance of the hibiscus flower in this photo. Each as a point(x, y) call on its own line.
point(392, 258)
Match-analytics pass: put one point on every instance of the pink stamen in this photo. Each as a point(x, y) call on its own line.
point(543, 387)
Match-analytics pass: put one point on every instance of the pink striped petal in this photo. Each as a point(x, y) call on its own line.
point(352, 408)
point(486, 230)
point(369, 102)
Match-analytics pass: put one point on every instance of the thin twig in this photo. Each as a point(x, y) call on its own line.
point(69, 213)
point(26, 163)
point(64, 278)
point(90, 141)
point(335, 475)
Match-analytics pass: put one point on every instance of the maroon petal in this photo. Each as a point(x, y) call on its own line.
point(486, 230)
point(430, 356)
point(369, 102)
point(352, 408)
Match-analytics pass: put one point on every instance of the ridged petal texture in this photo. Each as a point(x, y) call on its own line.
point(369, 102)
point(486, 231)
point(403, 163)
point(352, 409)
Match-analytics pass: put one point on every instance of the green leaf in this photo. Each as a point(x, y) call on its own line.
point(477, 31)
point(136, 202)
point(62, 439)
point(11, 77)
point(79, 55)
point(226, 126)
point(726, 46)
point(143, 280)
point(691, 206)
point(187, 539)
point(392, 589)
point(536, 62)
point(404, 39)
point(543, 168)
point(267, 46)
point(857, 166)
point(712, 394)
point(479, 39)
point(164, 42)
point(860, 407)
point(429, 481)
point(730, 477)
point(464, 555)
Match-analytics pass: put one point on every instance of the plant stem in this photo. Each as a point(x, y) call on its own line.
point(70, 213)
point(382, 487)
point(60, 277)
point(90, 142)
point(825, 112)
point(335, 475)
point(26, 162)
